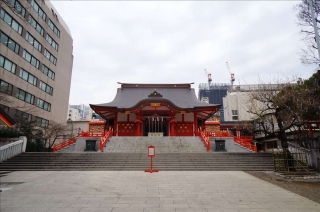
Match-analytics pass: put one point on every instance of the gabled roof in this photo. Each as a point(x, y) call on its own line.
point(6, 118)
point(181, 95)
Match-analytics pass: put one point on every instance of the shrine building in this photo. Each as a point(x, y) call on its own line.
point(155, 110)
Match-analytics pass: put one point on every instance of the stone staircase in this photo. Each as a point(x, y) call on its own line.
point(161, 144)
point(139, 162)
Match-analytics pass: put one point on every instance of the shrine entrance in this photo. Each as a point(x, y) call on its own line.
point(156, 126)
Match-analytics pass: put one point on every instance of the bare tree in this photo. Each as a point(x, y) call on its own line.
point(53, 132)
point(309, 54)
point(275, 103)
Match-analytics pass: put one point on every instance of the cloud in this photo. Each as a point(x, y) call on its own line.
point(173, 42)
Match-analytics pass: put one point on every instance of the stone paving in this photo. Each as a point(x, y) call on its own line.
point(103, 191)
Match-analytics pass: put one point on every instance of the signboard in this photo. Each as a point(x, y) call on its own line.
point(151, 151)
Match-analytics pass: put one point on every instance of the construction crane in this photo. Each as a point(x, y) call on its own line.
point(232, 79)
point(209, 77)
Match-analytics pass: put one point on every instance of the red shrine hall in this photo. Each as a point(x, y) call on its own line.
point(155, 110)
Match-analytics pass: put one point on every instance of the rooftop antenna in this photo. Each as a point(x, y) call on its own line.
point(232, 79)
point(209, 77)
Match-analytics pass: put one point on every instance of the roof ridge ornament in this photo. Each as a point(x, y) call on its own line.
point(155, 94)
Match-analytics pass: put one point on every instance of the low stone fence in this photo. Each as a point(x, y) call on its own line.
point(12, 149)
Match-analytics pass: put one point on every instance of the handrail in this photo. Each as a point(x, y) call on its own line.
point(64, 144)
point(246, 142)
point(12, 149)
point(105, 139)
point(92, 134)
point(218, 134)
point(205, 140)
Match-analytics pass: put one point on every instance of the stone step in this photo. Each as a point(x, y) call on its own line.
point(139, 162)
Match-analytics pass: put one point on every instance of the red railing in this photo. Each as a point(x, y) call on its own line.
point(105, 139)
point(245, 141)
point(218, 134)
point(64, 144)
point(205, 140)
point(92, 134)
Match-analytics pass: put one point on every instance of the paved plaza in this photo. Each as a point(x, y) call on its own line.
point(102, 191)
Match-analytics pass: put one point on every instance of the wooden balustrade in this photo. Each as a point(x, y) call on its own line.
point(105, 139)
point(64, 144)
point(246, 141)
point(205, 140)
point(218, 134)
point(92, 134)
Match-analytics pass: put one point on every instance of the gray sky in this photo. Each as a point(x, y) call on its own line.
point(173, 42)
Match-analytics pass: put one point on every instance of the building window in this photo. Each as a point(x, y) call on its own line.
point(11, 44)
point(7, 64)
point(28, 77)
point(38, 9)
point(25, 96)
point(234, 114)
point(17, 7)
point(54, 28)
point(44, 105)
point(5, 108)
point(33, 42)
point(48, 72)
point(41, 122)
point(46, 88)
point(31, 59)
point(52, 42)
point(10, 21)
point(50, 57)
point(5, 87)
point(23, 115)
point(35, 25)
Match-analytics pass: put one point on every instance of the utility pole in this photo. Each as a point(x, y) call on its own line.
point(315, 26)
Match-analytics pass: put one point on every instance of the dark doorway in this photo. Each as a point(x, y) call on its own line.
point(154, 125)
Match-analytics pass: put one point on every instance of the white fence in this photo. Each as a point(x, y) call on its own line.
point(13, 149)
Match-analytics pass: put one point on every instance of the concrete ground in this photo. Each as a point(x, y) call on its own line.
point(102, 191)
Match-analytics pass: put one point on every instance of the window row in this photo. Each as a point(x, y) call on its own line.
point(25, 96)
point(7, 64)
point(41, 122)
point(36, 25)
point(5, 108)
point(10, 21)
point(27, 116)
point(52, 42)
point(50, 57)
point(44, 105)
point(23, 115)
point(17, 7)
point(31, 59)
point(36, 44)
point(38, 9)
point(28, 77)
point(6, 87)
point(48, 72)
point(54, 28)
point(11, 44)
point(46, 88)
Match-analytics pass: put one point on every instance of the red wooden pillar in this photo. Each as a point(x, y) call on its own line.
point(115, 124)
point(310, 130)
point(195, 123)
point(172, 122)
point(138, 122)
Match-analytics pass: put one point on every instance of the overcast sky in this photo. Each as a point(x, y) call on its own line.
point(173, 42)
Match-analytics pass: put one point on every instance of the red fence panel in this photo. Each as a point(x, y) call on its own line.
point(205, 140)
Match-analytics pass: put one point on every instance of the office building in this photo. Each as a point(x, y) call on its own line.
point(35, 61)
